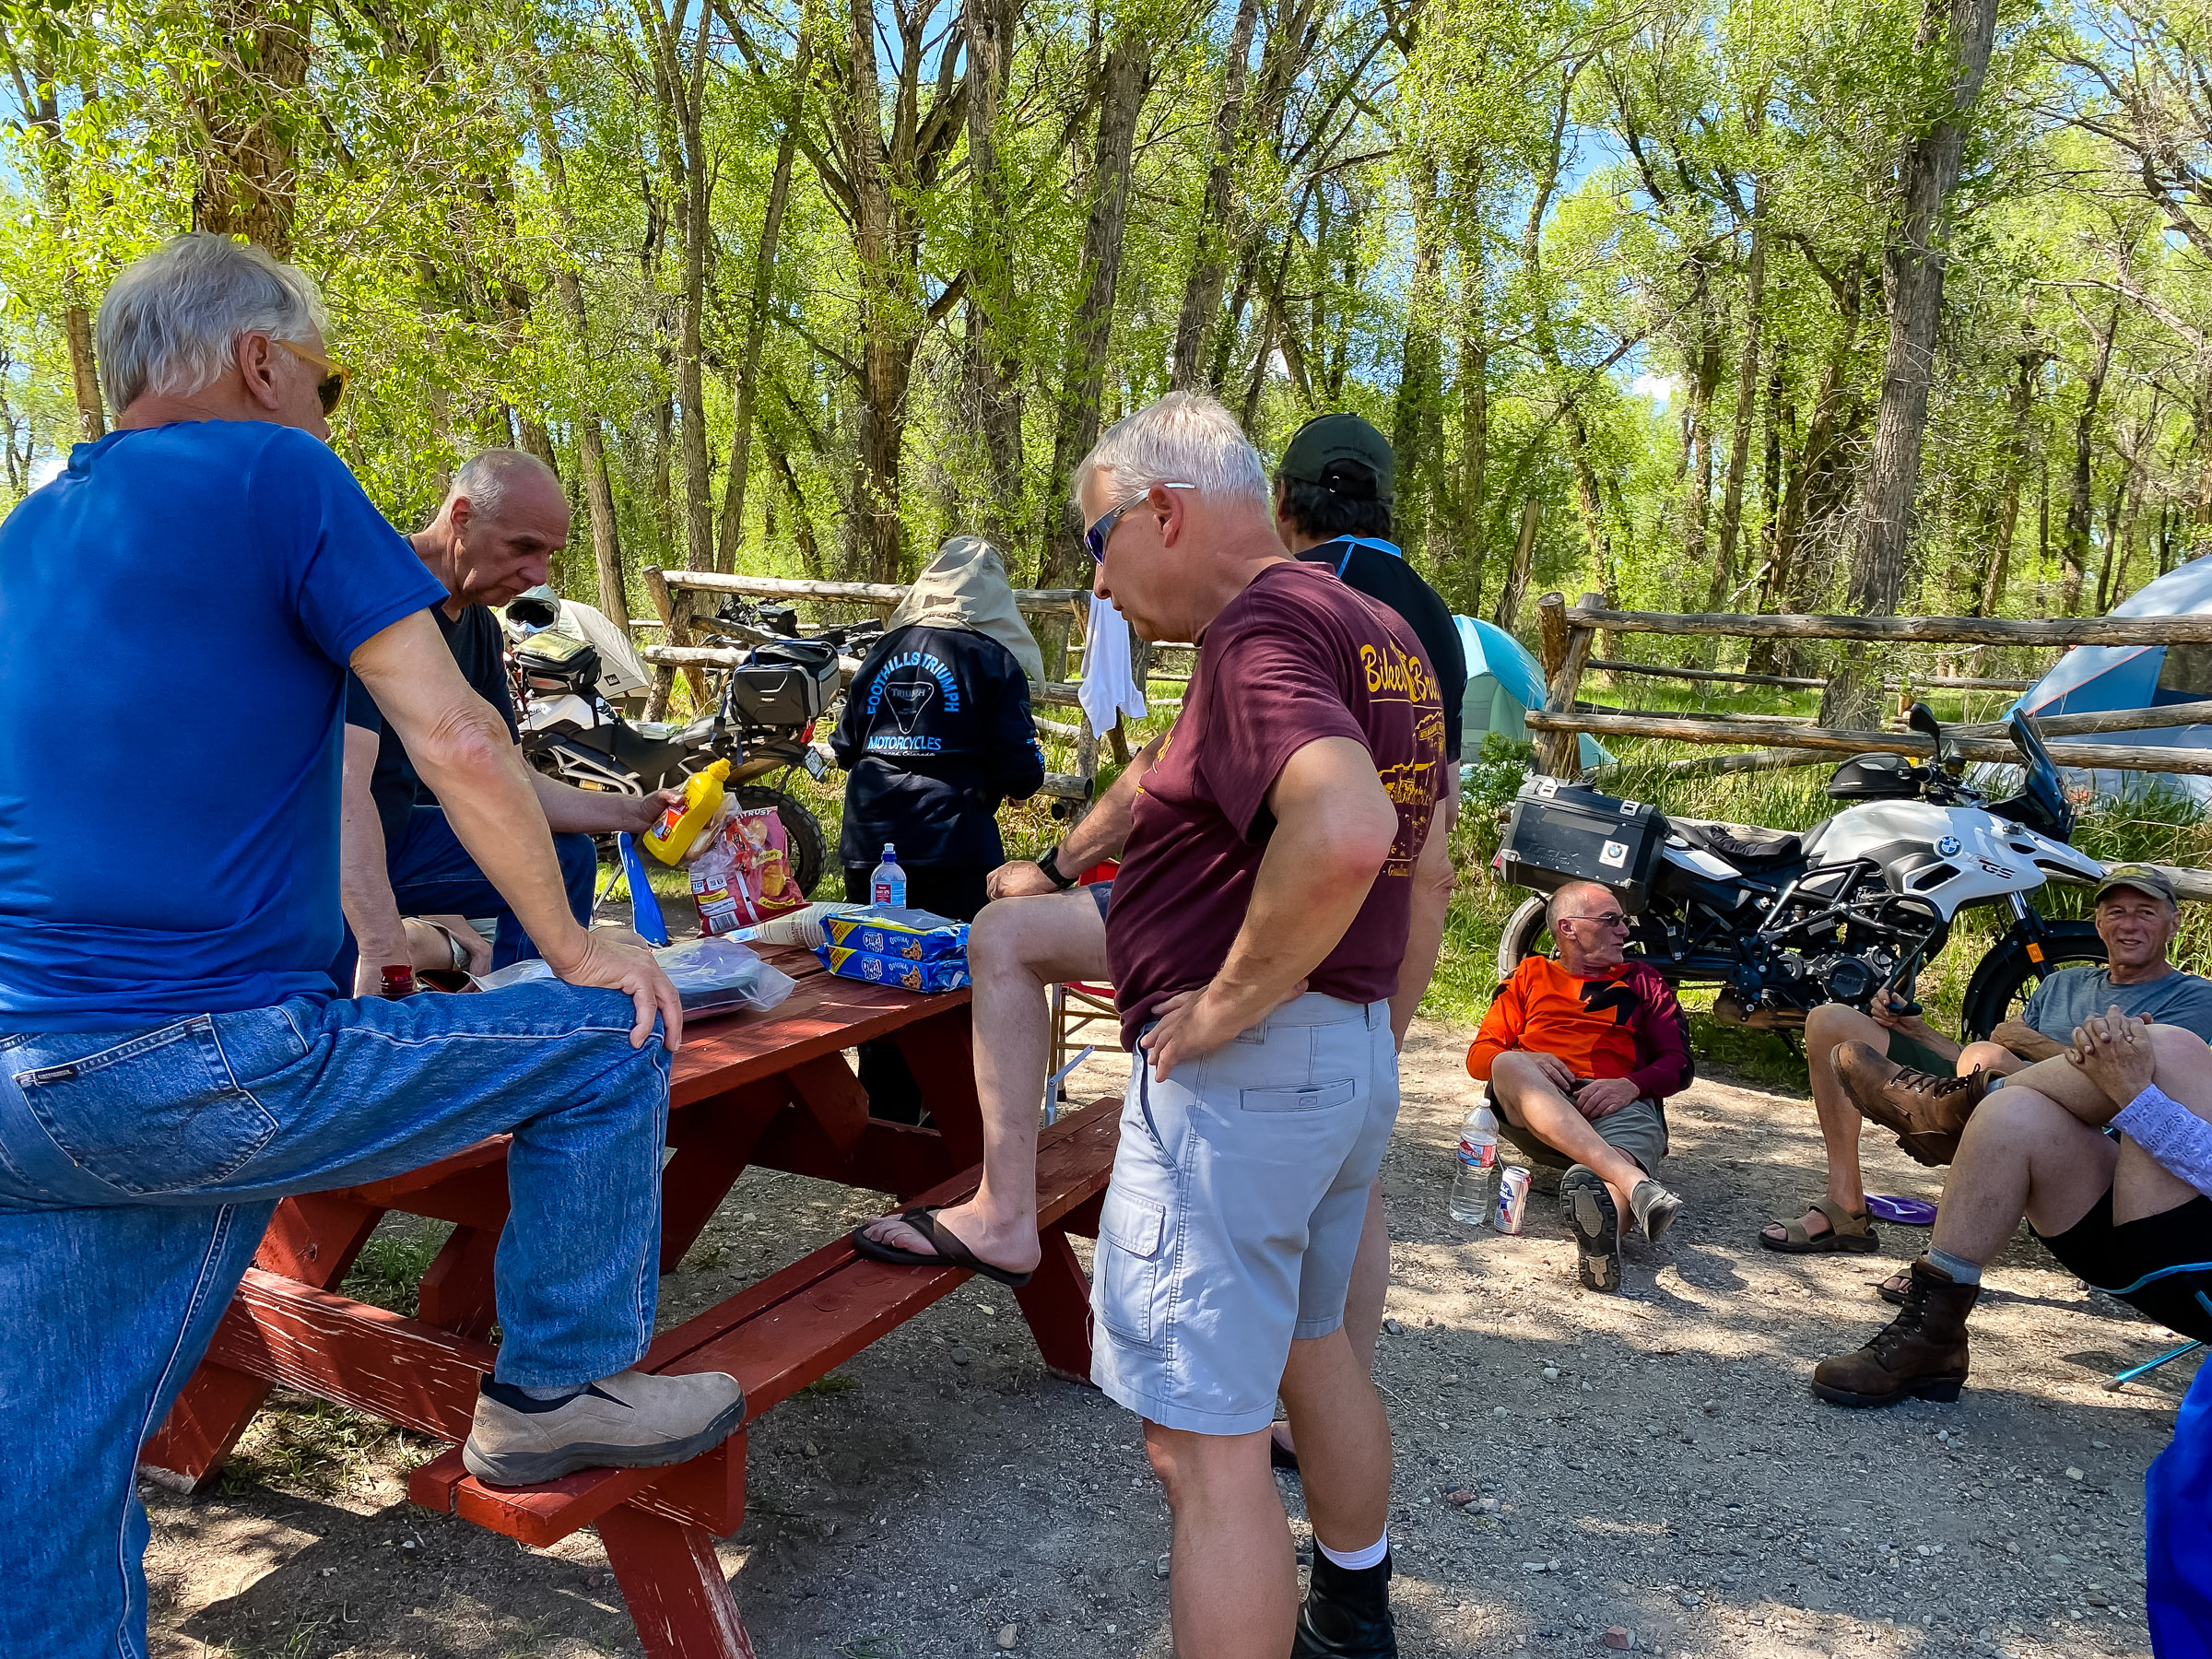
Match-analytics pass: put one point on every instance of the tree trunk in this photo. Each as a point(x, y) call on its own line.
point(2074, 549)
point(1817, 465)
point(1913, 277)
point(1209, 266)
point(1697, 427)
point(2008, 500)
point(987, 27)
point(1416, 415)
point(746, 386)
point(248, 186)
point(886, 339)
point(42, 115)
point(1123, 82)
point(1746, 402)
point(1516, 575)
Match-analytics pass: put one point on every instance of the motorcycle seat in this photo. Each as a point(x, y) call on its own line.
point(1746, 846)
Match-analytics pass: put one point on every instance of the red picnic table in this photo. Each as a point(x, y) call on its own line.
point(772, 1090)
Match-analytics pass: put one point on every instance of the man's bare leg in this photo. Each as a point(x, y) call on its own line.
point(2021, 1154)
point(1232, 1593)
point(1016, 948)
point(1991, 1057)
point(1841, 1122)
point(1537, 1106)
point(1344, 1440)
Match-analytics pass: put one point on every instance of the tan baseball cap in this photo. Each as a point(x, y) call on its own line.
point(2143, 877)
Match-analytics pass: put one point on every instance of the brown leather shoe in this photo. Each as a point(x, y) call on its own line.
point(1920, 1353)
point(1927, 1113)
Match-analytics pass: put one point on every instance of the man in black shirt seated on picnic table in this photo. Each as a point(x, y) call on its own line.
point(406, 882)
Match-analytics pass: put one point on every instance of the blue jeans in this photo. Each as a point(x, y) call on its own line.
point(138, 1169)
point(432, 875)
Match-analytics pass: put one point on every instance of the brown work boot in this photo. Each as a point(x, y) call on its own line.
point(1927, 1113)
point(1921, 1352)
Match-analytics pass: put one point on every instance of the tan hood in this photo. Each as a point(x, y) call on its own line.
point(965, 586)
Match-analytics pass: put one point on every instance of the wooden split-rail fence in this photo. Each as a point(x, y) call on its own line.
point(678, 653)
point(1568, 632)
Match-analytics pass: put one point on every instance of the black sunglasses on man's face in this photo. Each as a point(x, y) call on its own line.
point(1101, 528)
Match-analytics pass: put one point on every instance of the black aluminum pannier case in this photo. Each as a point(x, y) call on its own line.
point(1562, 832)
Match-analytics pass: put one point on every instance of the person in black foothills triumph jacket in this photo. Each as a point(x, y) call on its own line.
point(936, 732)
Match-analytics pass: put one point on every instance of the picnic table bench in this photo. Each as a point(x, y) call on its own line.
point(771, 1089)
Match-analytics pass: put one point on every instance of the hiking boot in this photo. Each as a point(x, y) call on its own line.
point(1926, 1113)
point(1346, 1614)
point(630, 1420)
point(1920, 1353)
point(1596, 1222)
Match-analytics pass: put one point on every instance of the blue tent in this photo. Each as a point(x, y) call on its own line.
point(1503, 684)
point(2098, 678)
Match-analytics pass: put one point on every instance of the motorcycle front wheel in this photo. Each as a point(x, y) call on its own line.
point(1526, 935)
point(2008, 975)
point(809, 846)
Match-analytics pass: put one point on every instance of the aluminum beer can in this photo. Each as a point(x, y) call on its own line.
point(1513, 1199)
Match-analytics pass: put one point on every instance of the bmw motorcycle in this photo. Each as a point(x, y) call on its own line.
point(1852, 908)
point(763, 721)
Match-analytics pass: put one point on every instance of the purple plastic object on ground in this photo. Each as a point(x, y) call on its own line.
point(1905, 1212)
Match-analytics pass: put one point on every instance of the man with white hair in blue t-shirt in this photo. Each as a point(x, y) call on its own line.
point(172, 1061)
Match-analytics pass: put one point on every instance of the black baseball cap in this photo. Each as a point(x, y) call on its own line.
point(1322, 450)
point(2143, 877)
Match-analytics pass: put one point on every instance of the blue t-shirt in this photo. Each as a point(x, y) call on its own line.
point(179, 608)
point(2075, 994)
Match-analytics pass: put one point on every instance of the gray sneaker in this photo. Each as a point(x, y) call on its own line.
point(630, 1420)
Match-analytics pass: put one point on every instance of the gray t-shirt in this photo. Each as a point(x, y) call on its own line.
point(2074, 994)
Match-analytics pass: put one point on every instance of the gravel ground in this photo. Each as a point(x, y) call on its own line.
point(1568, 1464)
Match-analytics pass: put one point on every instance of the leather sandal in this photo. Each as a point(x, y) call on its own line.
point(1847, 1233)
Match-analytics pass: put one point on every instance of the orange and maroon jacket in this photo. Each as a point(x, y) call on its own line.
point(1624, 1022)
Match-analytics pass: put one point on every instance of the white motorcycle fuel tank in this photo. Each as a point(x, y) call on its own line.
point(1952, 857)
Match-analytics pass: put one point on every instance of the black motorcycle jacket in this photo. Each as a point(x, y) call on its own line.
point(936, 732)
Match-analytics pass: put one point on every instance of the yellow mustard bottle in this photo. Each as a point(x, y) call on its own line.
point(671, 838)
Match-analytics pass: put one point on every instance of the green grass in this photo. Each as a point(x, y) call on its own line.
point(392, 1264)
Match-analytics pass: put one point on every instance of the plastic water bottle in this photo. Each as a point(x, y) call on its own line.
point(1475, 1188)
point(887, 885)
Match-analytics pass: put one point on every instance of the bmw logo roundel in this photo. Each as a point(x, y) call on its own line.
point(1948, 846)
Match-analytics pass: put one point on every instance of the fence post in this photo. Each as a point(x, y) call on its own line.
point(1560, 753)
point(676, 630)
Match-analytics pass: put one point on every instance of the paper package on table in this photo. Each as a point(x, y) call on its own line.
point(947, 974)
point(711, 976)
point(914, 935)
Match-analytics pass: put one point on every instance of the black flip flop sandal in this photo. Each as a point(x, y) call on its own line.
point(951, 1253)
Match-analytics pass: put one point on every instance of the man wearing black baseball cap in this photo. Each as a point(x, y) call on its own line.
point(1333, 495)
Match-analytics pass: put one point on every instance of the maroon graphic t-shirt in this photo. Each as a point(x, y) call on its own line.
point(1296, 657)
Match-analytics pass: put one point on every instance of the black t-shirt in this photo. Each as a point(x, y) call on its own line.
point(1363, 565)
point(480, 651)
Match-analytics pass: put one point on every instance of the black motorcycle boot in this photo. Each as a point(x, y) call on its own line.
point(1346, 1614)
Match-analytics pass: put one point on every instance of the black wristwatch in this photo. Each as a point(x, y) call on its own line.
point(1050, 864)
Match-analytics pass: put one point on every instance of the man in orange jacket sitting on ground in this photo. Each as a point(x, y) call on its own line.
point(1579, 1054)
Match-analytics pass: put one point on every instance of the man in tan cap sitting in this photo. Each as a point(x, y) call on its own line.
point(1907, 1076)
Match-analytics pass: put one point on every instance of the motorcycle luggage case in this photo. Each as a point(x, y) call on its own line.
point(552, 662)
point(785, 685)
point(1561, 832)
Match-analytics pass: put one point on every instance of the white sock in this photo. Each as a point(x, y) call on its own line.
point(1355, 1560)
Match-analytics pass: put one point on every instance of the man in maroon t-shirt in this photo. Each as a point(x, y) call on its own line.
point(1258, 920)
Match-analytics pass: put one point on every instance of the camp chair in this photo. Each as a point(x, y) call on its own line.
point(1078, 1004)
